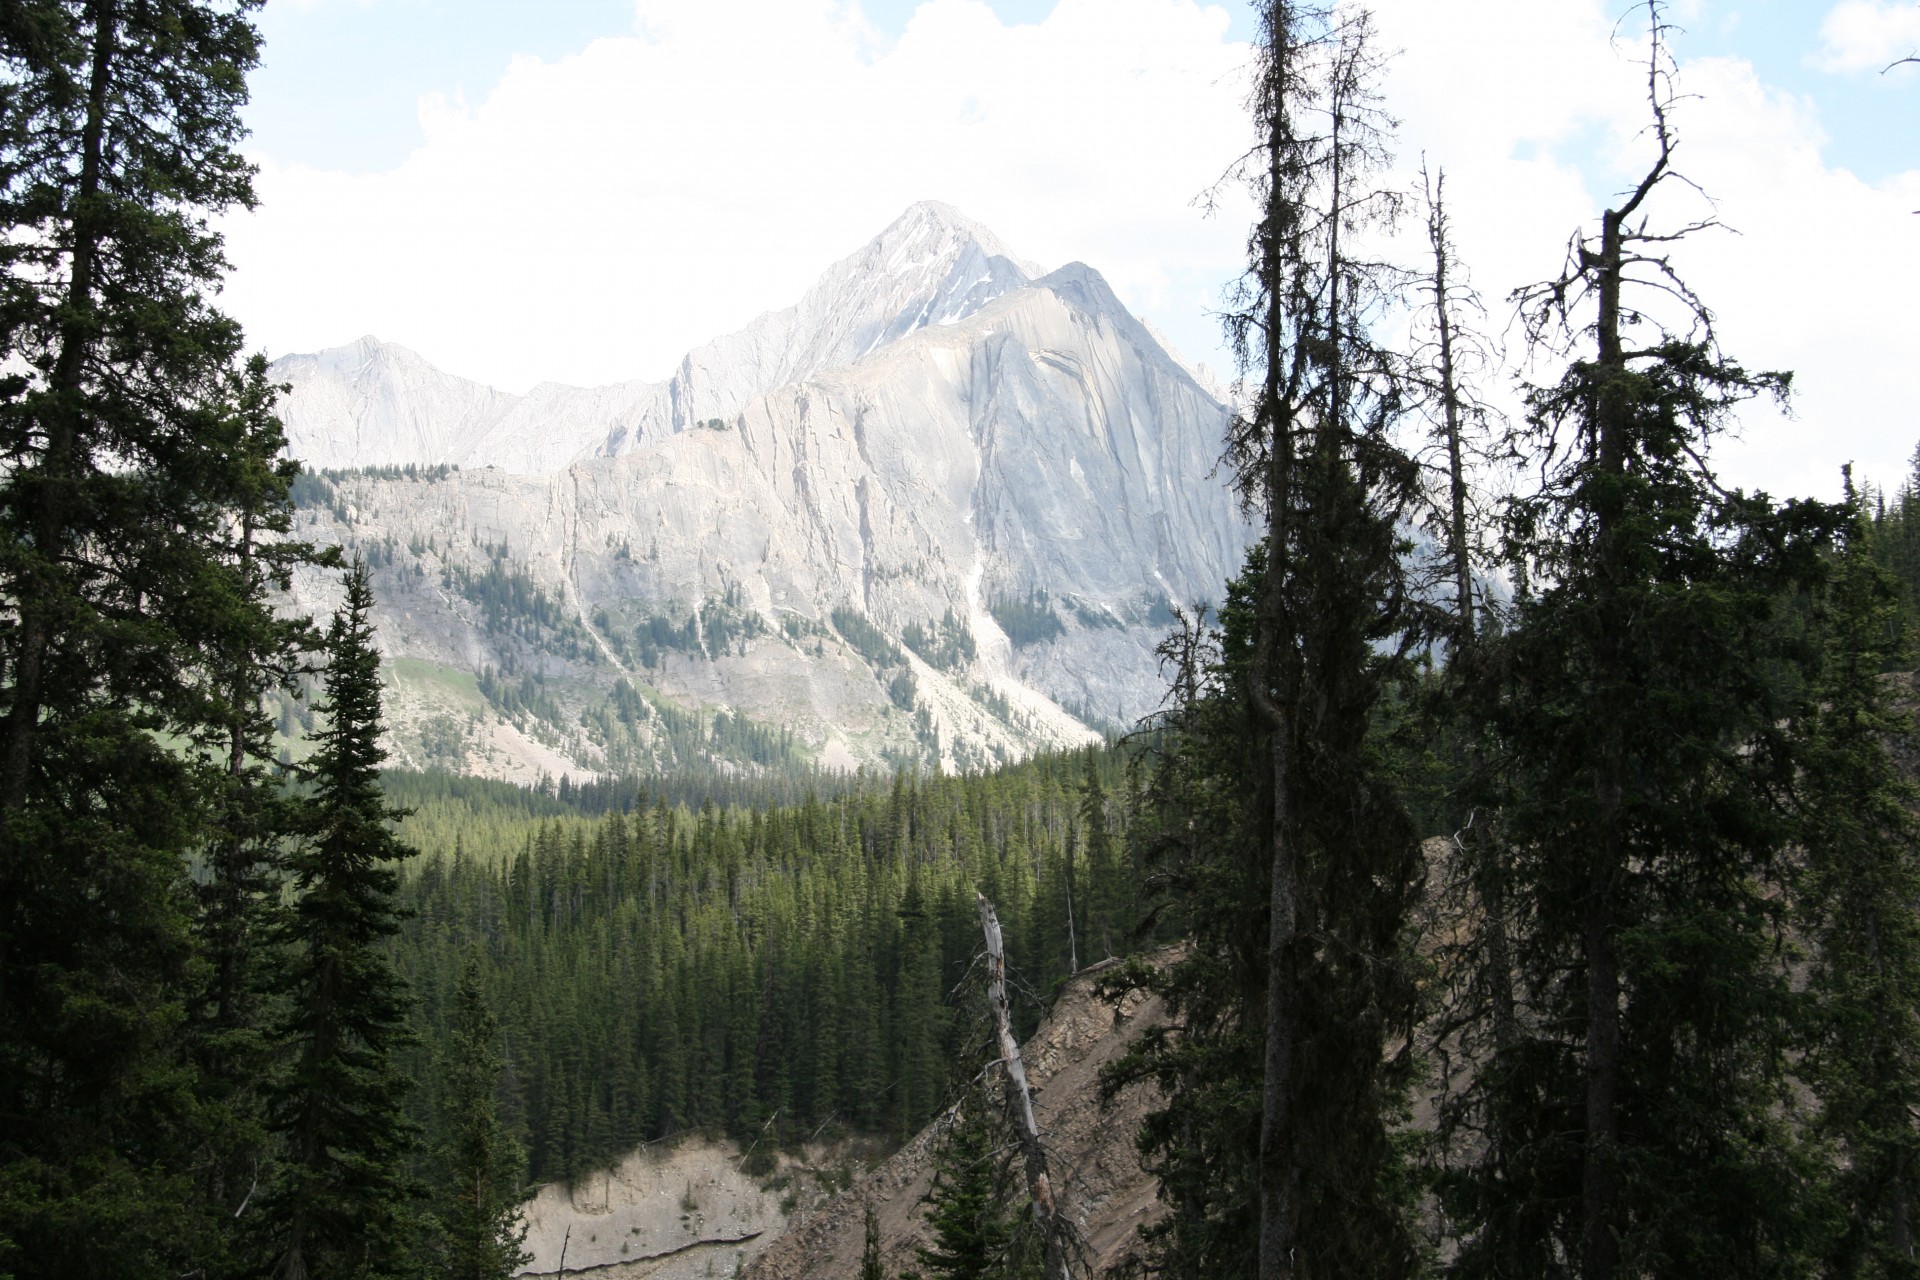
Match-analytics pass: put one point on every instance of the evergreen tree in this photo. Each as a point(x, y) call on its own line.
point(973, 1207)
point(1109, 903)
point(870, 1267)
point(118, 123)
point(480, 1165)
point(1636, 703)
point(344, 1204)
point(1896, 538)
point(1298, 885)
point(252, 813)
point(1856, 897)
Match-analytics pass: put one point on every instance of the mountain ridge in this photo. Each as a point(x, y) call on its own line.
point(347, 407)
point(956, 545)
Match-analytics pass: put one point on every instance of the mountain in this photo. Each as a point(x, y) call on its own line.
point(937, 512)
point(372, 403)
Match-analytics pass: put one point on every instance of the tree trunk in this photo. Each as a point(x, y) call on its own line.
point(47, 490)
point(1900, 1228)
point(1490, 883)
point(1450, 411)
point(1599, 1243)
point(1279, 1170)
point(1020, 1099)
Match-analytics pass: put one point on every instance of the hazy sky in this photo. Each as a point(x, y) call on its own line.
point(580, 190)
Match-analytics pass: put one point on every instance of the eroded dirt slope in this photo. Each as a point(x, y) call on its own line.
point(1090, 1148)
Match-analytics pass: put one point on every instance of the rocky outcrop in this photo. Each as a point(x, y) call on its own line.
point(1102, 1189)
point(938, 511)
point(372, 403)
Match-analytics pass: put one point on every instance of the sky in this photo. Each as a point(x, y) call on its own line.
point(581, 190)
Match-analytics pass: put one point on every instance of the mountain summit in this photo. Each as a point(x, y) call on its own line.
point(937, 512)
point(373, 403)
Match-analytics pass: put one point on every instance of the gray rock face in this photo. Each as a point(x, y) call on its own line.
point(375, 404)
point(936, 511)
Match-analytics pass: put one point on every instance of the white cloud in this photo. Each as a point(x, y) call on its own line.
point(1868, 35)
point(594, 217)
point(1539, 115)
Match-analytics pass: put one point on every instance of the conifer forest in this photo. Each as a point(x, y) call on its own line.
point(1526, 850)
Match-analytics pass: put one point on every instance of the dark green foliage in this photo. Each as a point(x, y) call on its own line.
point(1203, 828)
point(947, 645)
point(412, 471)
point(1027, 621)
point(311, 490)
point(238, 893)
point(642, 731)
point(343, 1204)
point(662, 970)
point(1278, 827)
point(726, 627)
point(126, 451)
point(1856, 899)
point(512, 604)
point(521, 699)
point(870, 1267)
point(714, 629)
point(977, 1205)
point(1109, 909)
point(659, 634)
point(479, 1165)
point(869, 641)
point(1634, 713)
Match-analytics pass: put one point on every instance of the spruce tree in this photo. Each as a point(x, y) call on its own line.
point(118, 122)
point(1636, 704)
point(1856, 897)
point(344, 1205)
point(252, 812)
point(480, 1164)
point(870, 1265)
point(973, 1207)
point(1299, 879)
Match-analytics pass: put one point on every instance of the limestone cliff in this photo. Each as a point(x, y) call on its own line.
point(939, 512)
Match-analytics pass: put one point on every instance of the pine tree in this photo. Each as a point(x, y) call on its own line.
point(870, 1267)
point(252, 813)
point(344, 1205)
point(972, 1205)
point(1287, 844)
point(1856, 903)
point(118, 123)
point(1636, 703)
point(480, 1166)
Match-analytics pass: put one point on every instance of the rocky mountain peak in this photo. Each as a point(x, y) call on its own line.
point(936, 512)
point(931, 266)
point(372, 403)
point(375, 403)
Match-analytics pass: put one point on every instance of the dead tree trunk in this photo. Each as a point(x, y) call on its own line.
point(1046, 1213)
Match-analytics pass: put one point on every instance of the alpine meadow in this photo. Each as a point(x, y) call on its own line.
point(939, 786)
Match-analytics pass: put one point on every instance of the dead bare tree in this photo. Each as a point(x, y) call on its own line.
point(1046, 1210)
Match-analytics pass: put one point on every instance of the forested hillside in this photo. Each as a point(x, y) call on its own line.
point(1896, 539)
point(790, 968)
point(1567, 929)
